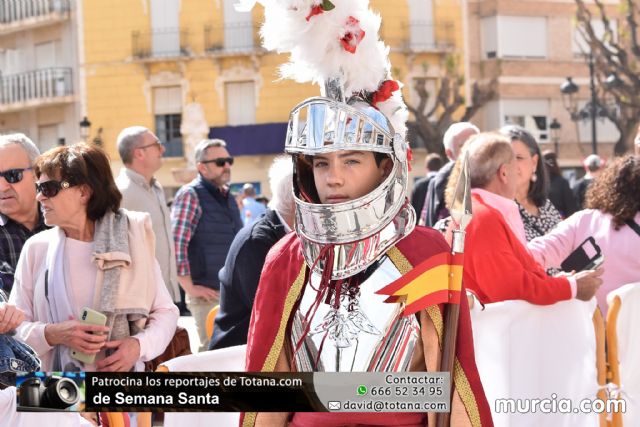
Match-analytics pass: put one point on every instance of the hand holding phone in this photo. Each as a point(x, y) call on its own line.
point(89, 317)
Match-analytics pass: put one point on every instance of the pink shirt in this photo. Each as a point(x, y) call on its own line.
point(620, 248)
point(507, 208)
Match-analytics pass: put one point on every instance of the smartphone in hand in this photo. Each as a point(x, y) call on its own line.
point(586, 257)
point(90, 317)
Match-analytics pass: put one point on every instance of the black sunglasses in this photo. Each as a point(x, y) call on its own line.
point(13, 176)
point(51, 188)
point(219, 161)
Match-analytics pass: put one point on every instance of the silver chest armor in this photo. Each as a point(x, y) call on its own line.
point(363, 334)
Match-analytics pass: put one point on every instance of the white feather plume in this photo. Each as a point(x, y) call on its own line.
point(313, 42)
point(316, 54)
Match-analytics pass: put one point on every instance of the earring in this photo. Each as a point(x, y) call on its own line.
point(534, 177)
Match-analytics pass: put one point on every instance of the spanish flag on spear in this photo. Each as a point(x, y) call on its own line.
point(438, 279)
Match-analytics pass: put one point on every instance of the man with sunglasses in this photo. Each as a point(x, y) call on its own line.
point(205, 219)
point(141, 152)
point(20, 217)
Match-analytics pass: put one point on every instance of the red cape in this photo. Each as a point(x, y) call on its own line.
point(280, 287)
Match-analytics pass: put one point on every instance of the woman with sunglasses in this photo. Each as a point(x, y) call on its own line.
point(96, 256)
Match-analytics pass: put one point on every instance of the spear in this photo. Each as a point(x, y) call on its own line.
point(461, 216)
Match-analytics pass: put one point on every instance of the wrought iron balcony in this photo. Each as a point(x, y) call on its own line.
point(423, 36)
point(160, 44)
point(238, 37)
point(15, 12)
point(46, 85)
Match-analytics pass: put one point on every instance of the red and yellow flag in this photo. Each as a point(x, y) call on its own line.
point(434, 281)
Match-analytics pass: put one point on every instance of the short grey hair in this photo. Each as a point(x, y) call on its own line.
point(128, 140)
point(454, 131)
point(487, 152)
point(593, 162)
point(205, 144)
point(281, 184)
point(23, 141)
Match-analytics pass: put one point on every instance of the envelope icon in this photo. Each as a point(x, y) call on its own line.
point(334, 406)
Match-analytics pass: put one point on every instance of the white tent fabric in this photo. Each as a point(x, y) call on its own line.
point(526, 351)
point(224, 360)
point(629, 349)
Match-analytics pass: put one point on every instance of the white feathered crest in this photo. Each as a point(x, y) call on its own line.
point(329, 39)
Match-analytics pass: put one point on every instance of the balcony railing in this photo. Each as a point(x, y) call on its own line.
point(231, 38)
point(161, 43)
point(43, 84)
point(19, 10)
point(424, 36)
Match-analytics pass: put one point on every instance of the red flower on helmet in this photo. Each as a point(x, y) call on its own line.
point(315, 10)
point(384, 92)
point(325, 6)
point(353, 35)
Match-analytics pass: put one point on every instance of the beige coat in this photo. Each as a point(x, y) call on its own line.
point(28, 292)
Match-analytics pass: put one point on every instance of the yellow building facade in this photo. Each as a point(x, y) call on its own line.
point(188, 68)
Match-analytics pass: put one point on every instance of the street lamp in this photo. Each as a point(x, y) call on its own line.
point(555, 127)
point(594, 108)
point(85, 127)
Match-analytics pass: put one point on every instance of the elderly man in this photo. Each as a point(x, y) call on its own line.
point(434, 204)
point(205, 219)
point(141, 152)
point(20, 217)
point(241, 272)
point(497, 265)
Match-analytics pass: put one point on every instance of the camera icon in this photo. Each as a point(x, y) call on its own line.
point(53, 393)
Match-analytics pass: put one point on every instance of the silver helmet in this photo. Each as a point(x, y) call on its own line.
point(360, 230)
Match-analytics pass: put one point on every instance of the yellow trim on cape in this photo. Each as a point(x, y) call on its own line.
point(289, 302)
point(459, 377)
point(272, 358)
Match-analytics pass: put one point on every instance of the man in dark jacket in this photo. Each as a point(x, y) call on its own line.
point(241, 272)
point(432, 164)
point(205, 218)
point(434, 204)
point(20, 214)
point(593, 165)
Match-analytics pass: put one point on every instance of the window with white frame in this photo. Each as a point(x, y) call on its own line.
point(421, 28)
point(514, 36)
point(165, 27)
point(238, 27)
point(48, 54)
point(167, 103)
point(10, 61)
point(531, 114)
point(241, 103)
